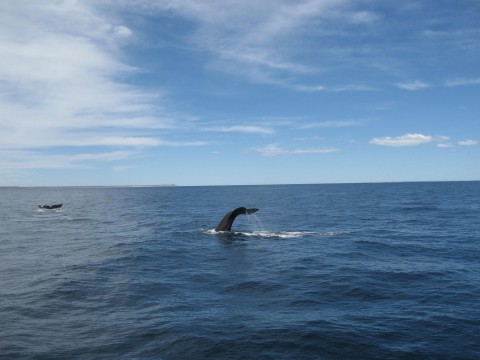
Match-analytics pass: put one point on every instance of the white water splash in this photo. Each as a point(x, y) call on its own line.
point(255, 223)
point(273, 234)
point(49, 211)
point(277, 234)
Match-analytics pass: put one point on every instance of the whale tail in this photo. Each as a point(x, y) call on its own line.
point(50, 207)
point(226, 223)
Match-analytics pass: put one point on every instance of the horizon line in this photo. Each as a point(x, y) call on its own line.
point(273, 184)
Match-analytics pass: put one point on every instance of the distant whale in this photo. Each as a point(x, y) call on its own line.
point(227, 221)
point(50, 207)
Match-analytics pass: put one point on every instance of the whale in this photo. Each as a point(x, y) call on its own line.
point(226, 223)
point(50, 207)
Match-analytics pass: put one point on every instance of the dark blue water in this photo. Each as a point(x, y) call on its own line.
point(365, 271)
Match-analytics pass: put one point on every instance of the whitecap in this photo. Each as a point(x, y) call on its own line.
point(269, 234)
point(279, 234)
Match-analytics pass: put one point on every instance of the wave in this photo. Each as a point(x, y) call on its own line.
point(276, 234)
point(40, 210)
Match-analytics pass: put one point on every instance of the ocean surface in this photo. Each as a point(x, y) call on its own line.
point(353, 271)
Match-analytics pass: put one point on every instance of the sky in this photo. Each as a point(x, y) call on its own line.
point(228, 92)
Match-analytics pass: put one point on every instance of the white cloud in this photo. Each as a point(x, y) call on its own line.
point(122, 31)
point(248, 129)
point(413, 86)
point(441, 138)
point(353, 88)
point(282, 42)
point(468, 142)
point(59, 75)
point(184, 143)
point(445, 145)
point(127, 141)
point(21, 160)
point(253, 39)
point(274, 150)
point(309, 138)
point(419, 139)
point(121, 168)
point(334, 124)
point(311, 88)
point(364, 17)
point(337, 88)
point(64, 83)
point(403, 140)
point(463, 82)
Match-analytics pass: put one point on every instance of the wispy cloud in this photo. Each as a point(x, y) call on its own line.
point(468, 142)
point(309, 138)
point(413, 85)
point(59, 73)
point(62, 84)
point(70, 76)
point(275, 150)
point(21, 160)
point(407, 140)
point(463, 82)
point(336, 88)
point(333, 124)
point(247, 129)
point(266, 42)
point(121, 168)
point(445, 145)
point(288, 44)
point(310, 88)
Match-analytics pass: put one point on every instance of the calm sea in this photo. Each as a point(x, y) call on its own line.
point(357, 271)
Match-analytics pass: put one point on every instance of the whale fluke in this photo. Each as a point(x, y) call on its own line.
point(227, 221)
point(50, 207)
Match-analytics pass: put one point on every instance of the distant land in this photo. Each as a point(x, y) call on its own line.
point(92, 186)
point(174, 185)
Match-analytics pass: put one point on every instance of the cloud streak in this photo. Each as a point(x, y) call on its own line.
point(24, 160)
point(468, 142)
point(334, 124)
point(275, 150)
point(246, 129)
point(463, 82)
point(406, 140)
point(413, 86)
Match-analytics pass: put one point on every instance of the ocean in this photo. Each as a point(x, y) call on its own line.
point(347, 271)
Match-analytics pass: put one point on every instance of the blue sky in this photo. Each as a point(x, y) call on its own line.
point(238, 92)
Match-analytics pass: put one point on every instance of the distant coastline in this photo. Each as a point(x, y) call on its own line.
point(92, 186)
point(273, 184)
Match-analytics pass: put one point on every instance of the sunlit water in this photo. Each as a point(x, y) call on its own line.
point(366, 271)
